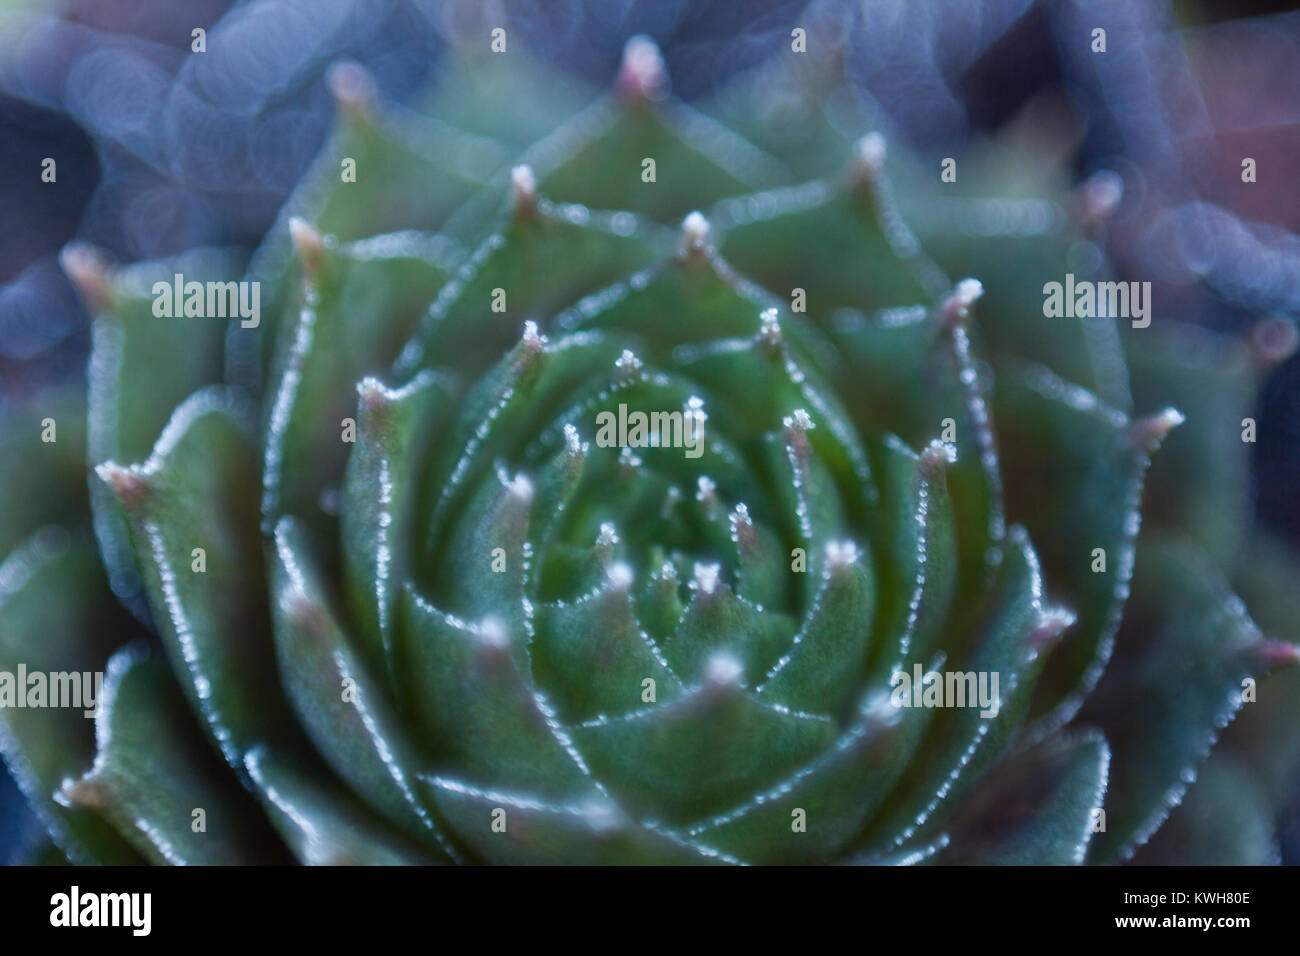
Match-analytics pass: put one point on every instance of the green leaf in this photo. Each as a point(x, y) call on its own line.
point(837, 792)
point(598, 159)
point(384, 170)
point(854, 250)
point(1226, 820)
point(927, 356)
point(501, 415)
point(485, 560)
point(142, 366)
point(513, 99)
point(1037, 807)
point(478, 708)
point(411, 170)
point(1175, 682)
point(540, 257)
point(395, 430)
point(47, 477)
point(339, 702)
point(592, 656)
point(1204, 469)
point(324, 824)
point(192, 508)
point(359, 303)
point(795, 107)
point(827, 660)
point(717, 620)
point(158, 782)
point(678, 761)
point(916, 560)
point(1014, 628)
point(538, 832)
point(1074, 471)
point(57, 616)
point(1026, 230)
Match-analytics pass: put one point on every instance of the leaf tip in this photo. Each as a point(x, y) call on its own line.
point(87, 268)
point(523, 191)
point(956, 307)
point(696, 237)
point(352, 87)
point(868, 159)
point(308, 243)
point(1147, 433)
point(127, 483)
point(642, 76)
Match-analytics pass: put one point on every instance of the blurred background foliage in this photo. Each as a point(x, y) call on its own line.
point(160, 150)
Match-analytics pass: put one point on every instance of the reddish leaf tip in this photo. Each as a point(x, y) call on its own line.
point(642, 75)
point(352, 87)
point(88, 270)
point(1149, 432)
point(130, 487)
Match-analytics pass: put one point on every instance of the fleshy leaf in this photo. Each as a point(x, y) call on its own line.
point(538, 832)
point(542, 257)
point(48, 477)
point(395, 428)
point(155, 778)
point(927, 356)
point(837, 793)
point(1204, 469)
point(1014, 628)
point(717, 620)
point(478, 708)
point(373, 177)
point(1038, 807)
point(57, 616)
point(826, 664)
point(193, 513)
point(142, 366)
point(856, 251)
point(1226, 820)
point(1074, 470)
point(597, 157)
point(677, 761)
point(1175, 682)
point(593, 657)
point(1033, 229)
point(916, 551)
point(323, 824)
point(339, 702)
point(358, 304)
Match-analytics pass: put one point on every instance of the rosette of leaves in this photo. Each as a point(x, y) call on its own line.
point(367, 588)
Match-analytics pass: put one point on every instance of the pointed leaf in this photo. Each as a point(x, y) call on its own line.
point(837, 793)
point(358, 305)
point(478, 708)
point(57, 616)
point(339, 702)
point(323, 824)
point(1175, 682)
point(142, 366)
point(395, 429)
point(592, 656)
point(193, 513)
point(684, 760)
point(538, 832)
point(157, 780)
point(1036, 808)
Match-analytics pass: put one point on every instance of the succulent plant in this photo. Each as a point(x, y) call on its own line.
point(424, 593)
